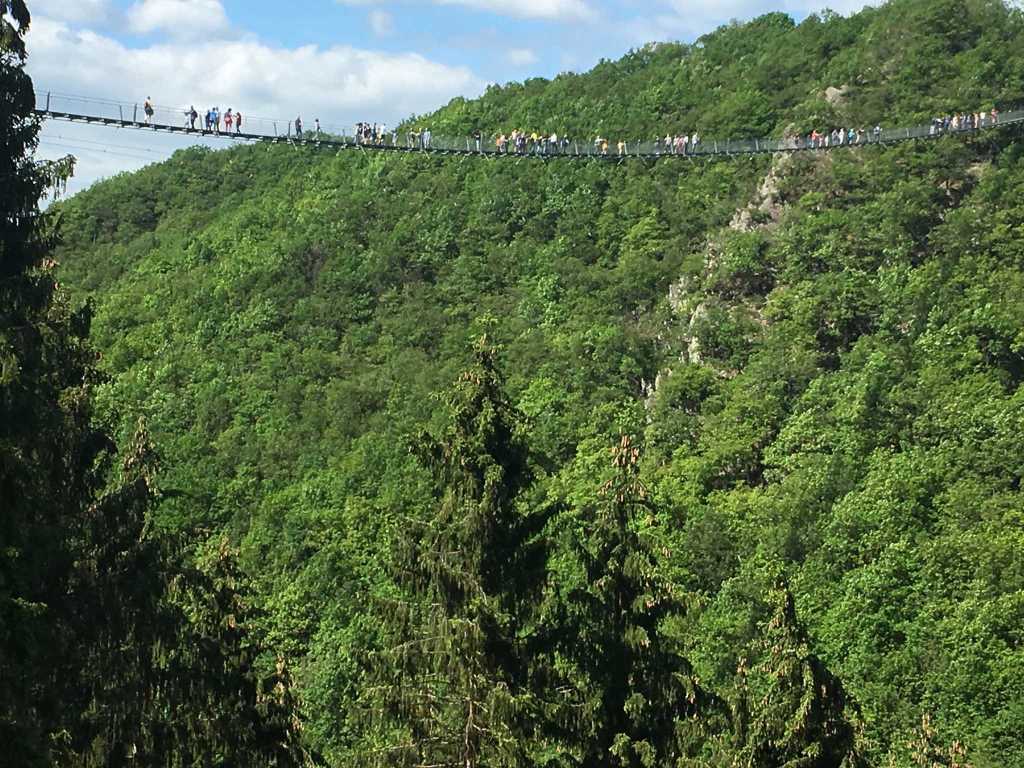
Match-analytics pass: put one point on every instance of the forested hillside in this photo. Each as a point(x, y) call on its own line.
point(567, 463)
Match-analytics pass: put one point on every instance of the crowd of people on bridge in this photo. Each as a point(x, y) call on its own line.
point(213, 120)
point(970, 121)
point(838, 137)
point(374, 134)
point(520, 142)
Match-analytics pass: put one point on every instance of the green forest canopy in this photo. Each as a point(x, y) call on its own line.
point(821, 358)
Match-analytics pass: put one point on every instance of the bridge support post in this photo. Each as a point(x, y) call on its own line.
point(135, 114)
point(120, 111)
point(47, 101)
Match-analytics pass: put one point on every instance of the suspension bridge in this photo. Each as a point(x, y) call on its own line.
point(78, 109)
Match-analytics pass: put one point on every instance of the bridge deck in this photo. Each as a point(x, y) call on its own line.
point(576, 151)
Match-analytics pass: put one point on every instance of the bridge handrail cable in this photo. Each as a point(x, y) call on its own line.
point(127, 114)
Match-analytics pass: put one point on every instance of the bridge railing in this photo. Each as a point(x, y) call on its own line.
point(132, 114)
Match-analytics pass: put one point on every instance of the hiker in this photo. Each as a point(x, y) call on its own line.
point(238, 122)
point(190, 118)
point(228, 120)
point(298, 127)
point(216, 120)
point(316, 126)
point(147, 109)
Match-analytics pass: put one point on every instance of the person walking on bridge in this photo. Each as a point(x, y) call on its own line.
point(238, 122)
point(190, 118)
point(228, 119)
point(147, 109)
point(298, 127)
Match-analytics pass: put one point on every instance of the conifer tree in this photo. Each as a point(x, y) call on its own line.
point(223, 701)
point(641, 704)
point(116, 612)
point(803, 720)
point(928, 750)
point(47, 444)
point(451, 687)
point(94, 656)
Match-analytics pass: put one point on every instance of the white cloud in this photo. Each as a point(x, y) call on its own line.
point(552, 10)
point(382, 23)
point(339, 85)
point(73, 11)
point(520, 57)
point(179, 18)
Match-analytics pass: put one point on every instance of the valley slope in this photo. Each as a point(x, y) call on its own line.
point(821, 354)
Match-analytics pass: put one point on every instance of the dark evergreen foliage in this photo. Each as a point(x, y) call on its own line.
point(99, 664)
point(823, 354)
point(451, 685)
point(47, 443)
point(804, 718)
point(640, 703)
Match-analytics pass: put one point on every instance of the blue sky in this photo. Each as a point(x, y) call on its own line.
point(337, 60)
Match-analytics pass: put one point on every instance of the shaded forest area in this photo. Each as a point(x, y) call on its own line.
point(429, 462)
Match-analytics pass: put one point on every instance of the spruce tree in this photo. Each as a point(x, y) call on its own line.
point(48, 446)
point(98, 663)
point(928, 750)
point(225, 698)
point(804, 718)
point(640, 703)
point(451, 686)
point(116, 612)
